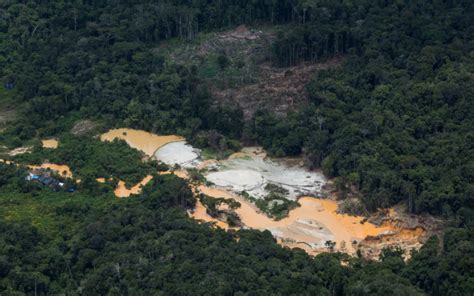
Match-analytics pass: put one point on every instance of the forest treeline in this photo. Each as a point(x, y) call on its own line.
point(394, 122)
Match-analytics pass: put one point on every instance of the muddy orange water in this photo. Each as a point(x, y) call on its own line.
point(61, 169)
point(200, 213)
point(343, 227)
point(122, 191)
point(325, 222)
point(50, 143)
point(141, 140)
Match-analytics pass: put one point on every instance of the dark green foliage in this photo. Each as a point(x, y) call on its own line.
point(196, 177)
point(280, 136)
point(11, 176)
point(276, 204)
point(273, 188)
point(212, 208)
point(70, 58)
point(223, 61)
point(438, 272)
point(90, 158)
point(99, 245)
point(148, 245)
point(380, 282)
point(394, 121)
point(166, 191)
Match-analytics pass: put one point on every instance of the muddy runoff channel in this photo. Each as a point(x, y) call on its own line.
point(314, 225)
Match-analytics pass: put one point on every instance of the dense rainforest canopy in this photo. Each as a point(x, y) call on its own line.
point(394, 121)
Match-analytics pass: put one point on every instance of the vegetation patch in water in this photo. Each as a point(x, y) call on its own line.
point(275, 204)
point(196, 177)
point(222, 208)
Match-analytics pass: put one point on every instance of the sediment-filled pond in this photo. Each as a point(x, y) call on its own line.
point(310, 226)
point(141, 140)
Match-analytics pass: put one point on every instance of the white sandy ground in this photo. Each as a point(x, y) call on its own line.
point(178, 153)
point(252, 174)
point(238, 180)
point(308, 226)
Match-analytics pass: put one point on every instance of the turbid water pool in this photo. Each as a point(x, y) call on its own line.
point(312, 224)
point(122, 191)
point(140, 140)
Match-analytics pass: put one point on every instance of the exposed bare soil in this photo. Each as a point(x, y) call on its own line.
point(249, 81)
point(20, 150)
point(50, 143)
point(278, 89)
point(309, 226)
point(82, 127)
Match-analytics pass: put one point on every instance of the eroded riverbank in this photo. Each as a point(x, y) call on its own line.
point(312, 224)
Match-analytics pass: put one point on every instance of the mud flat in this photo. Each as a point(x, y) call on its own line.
point(179, 153)
point(312, 224)
point(122, 191)
point(407, 239)
point(250, 171)
point(140, 140)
